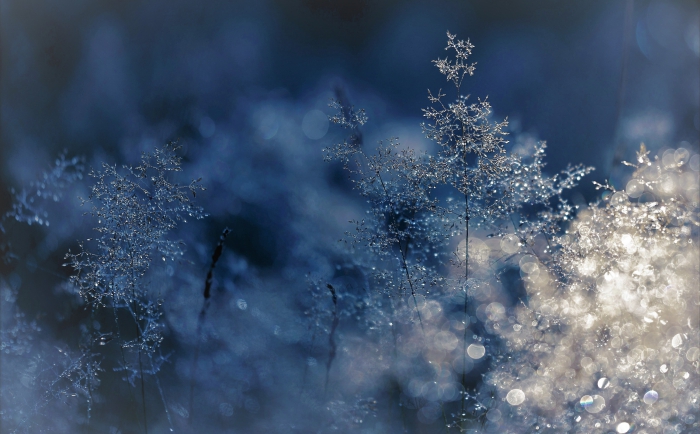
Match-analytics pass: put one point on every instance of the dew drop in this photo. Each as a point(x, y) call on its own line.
point(603, 383)
point(651, 397)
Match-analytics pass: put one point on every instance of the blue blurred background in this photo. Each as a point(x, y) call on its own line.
point(88, 76)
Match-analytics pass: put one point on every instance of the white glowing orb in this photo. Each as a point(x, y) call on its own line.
point(515, 397)
point(623, 427)
point(476, 351)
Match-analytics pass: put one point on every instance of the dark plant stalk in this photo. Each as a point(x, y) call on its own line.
point(331, 335)
point(202, 314)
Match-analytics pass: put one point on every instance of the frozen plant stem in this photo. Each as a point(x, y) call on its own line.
point(202, 314)
point(331, 335)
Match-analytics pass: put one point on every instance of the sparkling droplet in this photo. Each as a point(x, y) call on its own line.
point(651, 397)
point(677, 341)
point(663, 368)
point(623, 427)
point(603, 383)
point(515, 397)
point(593, 404)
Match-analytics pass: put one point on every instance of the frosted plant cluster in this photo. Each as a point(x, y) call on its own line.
point(608, 341)
point(430, 268)
point(135, 211)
